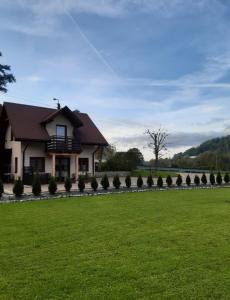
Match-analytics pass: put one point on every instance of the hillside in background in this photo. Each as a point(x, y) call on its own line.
point(216, 145)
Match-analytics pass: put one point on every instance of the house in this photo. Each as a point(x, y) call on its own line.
point(57, 142)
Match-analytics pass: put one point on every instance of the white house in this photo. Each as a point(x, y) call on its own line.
point(57, 142)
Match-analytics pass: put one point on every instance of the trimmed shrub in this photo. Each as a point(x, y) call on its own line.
point(219, 178)
point(68, 184)
point(52, 186)
point(128, 181)
point(81, 183)
point(94, 183)
point(36, 186)
point(212, 179)
point(169, 181)
point(204, 179)
point(179, 180)
point(160, 182)
point(18, 188)
point(150, 181)
point(188, 180)
point(116, 182)
point(139, 182)
point(197, 180)
point(105, 182)
point(1, 188)
point(226, 178)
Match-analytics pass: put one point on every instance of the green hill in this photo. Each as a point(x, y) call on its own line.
point(217, 145)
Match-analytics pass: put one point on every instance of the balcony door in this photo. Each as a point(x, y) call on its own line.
point(61, 131)
point(62, 168)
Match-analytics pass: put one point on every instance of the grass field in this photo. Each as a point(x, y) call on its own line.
point(153, 245)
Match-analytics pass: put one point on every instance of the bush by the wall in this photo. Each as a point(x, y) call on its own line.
point(36, 186)
point(52, 186)
point(18, 188)
point(1, 188)
point(169, 181)
point(212, 179)
point(94, 183)
point(219, 178)
point(188, 180)
point(105, 182)
point(197, 180)
point(81, 183)
point(160, 182)
point(128, 181)
point(204, 179)
point(226, 178)
point(179, 180)
point(68, 184)
point(116, 182)
point(150, 181)
point(139, 182)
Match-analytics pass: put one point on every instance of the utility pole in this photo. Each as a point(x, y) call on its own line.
point(58, 103)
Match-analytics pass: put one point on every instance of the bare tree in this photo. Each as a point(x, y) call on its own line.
point(158, 139)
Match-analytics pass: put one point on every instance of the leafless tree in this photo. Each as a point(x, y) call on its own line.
point(158, 143)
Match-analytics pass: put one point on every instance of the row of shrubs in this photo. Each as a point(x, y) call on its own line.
point(18, 188)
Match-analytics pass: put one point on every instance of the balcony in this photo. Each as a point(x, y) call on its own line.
point(60, 144)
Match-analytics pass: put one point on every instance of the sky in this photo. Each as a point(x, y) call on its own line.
point(131, 65)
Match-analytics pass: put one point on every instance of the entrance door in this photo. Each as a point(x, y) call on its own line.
point(62, 168)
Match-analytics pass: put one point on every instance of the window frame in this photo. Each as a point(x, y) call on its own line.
point(42, 159)
point(60, 125)
point(86, 159)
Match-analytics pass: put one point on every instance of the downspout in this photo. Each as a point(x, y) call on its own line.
point(23, 161)
point(93, 158)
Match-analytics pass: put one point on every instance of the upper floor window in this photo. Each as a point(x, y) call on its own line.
point(61, 130)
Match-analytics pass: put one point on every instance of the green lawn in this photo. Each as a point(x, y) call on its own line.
point(153, 245)
point(145, 173)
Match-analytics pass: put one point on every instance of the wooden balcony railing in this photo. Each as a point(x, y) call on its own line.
point(60, 144)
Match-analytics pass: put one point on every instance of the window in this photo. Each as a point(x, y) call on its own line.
point(83, 164)
point(37, 164)
point(15, 165)
point(61, 130)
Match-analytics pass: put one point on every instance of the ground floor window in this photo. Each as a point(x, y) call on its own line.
point(37, 164)
point(83, 164)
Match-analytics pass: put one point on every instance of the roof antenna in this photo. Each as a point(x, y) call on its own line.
point(58, 103)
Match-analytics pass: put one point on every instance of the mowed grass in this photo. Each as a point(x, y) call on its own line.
point(152, 245)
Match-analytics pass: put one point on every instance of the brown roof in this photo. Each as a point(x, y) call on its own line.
point(89, 133)
point(28, 123)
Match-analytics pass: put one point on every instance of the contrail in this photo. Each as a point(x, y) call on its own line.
point(93, 48)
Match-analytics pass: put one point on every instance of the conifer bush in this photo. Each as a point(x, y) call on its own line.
point(52, 186)
point(128, 181)
point(94, 183)
point(197, 180)
point(1, 188)
point(36, 186)
point(68, 184)
point(188, 180)
point(212, 179)
point(81, 183)
point(204, 179)
point(179, 180)
point(226, 178)
point(18, 188)
point(150, 181)
point(105, 182)
point(139, 182)
point(169, 181)
point(116, 182)
point(160, 182)
point(219, 178)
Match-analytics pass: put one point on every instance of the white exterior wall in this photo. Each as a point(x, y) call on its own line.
point(16, 152)
point(59, 120)
point(87, 152)
point(37, 150)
